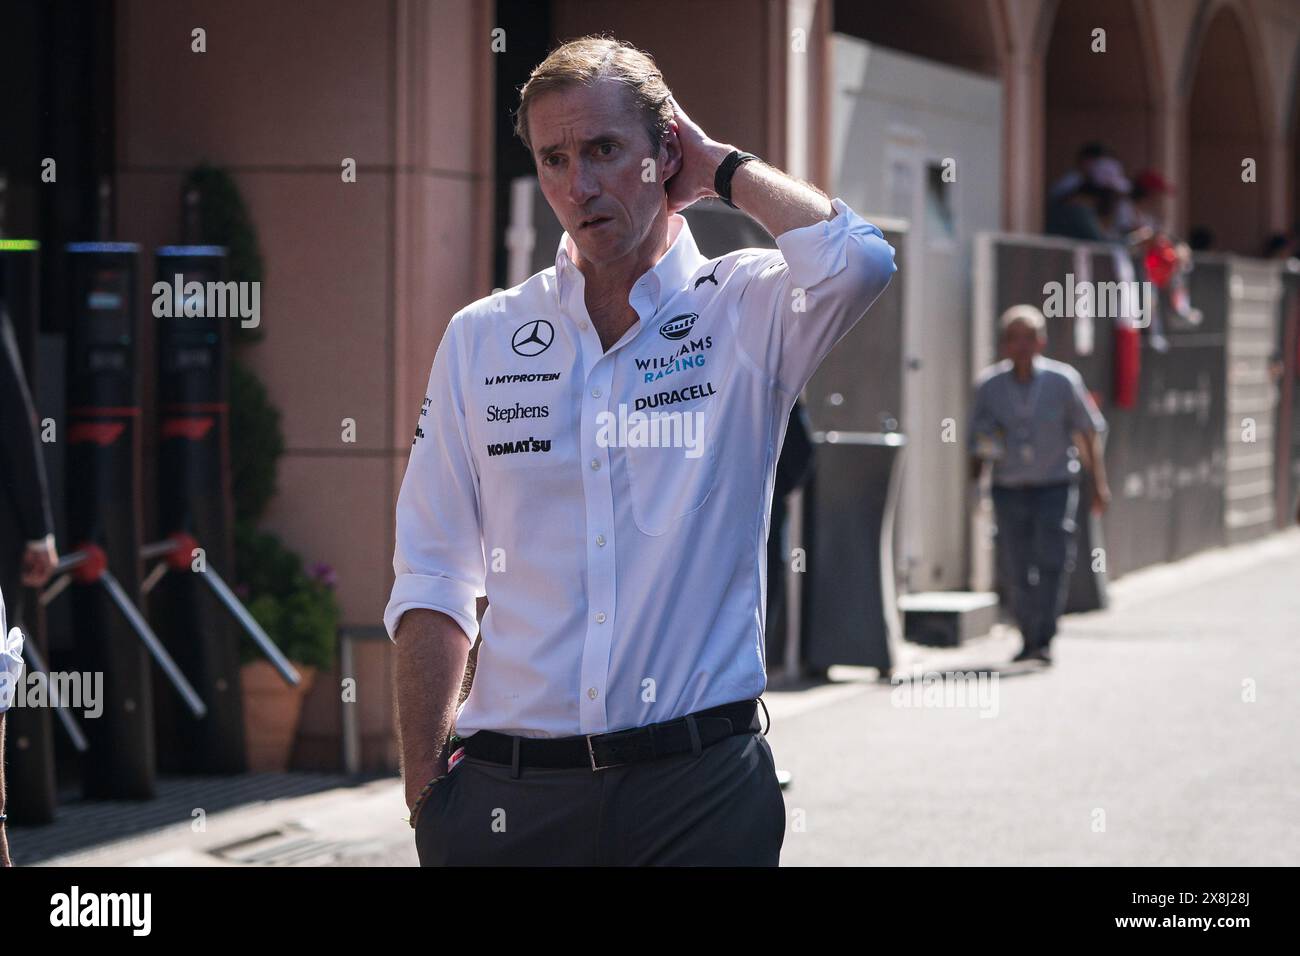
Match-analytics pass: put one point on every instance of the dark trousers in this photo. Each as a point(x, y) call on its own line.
point(721, 808)
point(1036, 545)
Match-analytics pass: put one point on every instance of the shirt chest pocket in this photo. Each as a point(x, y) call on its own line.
point(672, 464)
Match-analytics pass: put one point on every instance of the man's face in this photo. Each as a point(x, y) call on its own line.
point(591, 147)
point(1021, 343)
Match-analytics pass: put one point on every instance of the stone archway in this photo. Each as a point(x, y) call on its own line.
point(961, 33)
point(1226, 134)
point(1100, 85)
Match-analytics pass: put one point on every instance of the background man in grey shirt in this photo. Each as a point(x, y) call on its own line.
point(1034, 419)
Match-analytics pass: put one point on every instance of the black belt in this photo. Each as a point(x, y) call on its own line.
point(689, 734)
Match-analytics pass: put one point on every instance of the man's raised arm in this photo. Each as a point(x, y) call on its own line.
point(830, 264)
point(777, 201)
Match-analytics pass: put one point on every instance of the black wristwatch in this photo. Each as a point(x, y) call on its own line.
point(726, 169)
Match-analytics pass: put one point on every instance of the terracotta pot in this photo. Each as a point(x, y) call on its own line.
point(271, 712)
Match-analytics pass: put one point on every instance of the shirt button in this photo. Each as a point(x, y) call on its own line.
point(600, 617)
point(595, 392)
point(600, 540)
point(593, 693)
point(595, 464)
point(583, 326)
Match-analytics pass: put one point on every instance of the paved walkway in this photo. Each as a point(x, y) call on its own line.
point(1135, 748)
point(1139, 727)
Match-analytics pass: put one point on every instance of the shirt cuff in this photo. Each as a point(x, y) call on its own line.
point(454, 598)
point(46, 542)
point(817, 252)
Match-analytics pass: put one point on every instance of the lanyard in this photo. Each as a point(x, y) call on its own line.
point(1025, 408)
point(1024, 412)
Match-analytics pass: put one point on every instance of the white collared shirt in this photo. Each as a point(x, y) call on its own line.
point(626, 580)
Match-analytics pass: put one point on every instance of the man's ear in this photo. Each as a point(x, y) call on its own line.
point(670, 153)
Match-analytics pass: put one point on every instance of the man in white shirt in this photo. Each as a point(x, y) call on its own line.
point(596, 454)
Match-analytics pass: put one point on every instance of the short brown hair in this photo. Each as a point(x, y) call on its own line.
point(584, 62)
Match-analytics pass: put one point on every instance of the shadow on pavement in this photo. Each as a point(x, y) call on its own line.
point(85, 824)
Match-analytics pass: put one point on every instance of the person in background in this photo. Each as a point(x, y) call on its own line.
point(1033, 420)
point(25, 516)
point(1114, 209)
point(1167, 260)
point(1278, 246)
point(1149, 190)
point(1078, 215)
point(1084, 161)
point(1201, 239)
point(1094, 211)
point(27, 553)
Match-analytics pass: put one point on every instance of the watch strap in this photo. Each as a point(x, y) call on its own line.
point(726, 170)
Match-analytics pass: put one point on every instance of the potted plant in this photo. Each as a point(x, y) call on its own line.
point(297, 609)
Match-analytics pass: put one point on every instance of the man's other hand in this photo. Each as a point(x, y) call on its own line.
point(38, 563)
point(415, 779)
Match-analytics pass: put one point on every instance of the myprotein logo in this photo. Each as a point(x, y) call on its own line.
point(507, 413)
point(521, 379)
point(679, 326)
point(533, 338)
point(524, 446)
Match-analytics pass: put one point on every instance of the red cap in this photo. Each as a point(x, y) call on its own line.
point(1150, 181)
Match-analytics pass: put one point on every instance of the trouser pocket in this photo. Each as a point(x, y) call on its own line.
point(430, 831)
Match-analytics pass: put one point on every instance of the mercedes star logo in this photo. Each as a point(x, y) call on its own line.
point(533, 338)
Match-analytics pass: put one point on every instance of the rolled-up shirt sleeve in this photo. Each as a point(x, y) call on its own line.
point(801, 299)
point(1085, 416)
point(438, 558)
